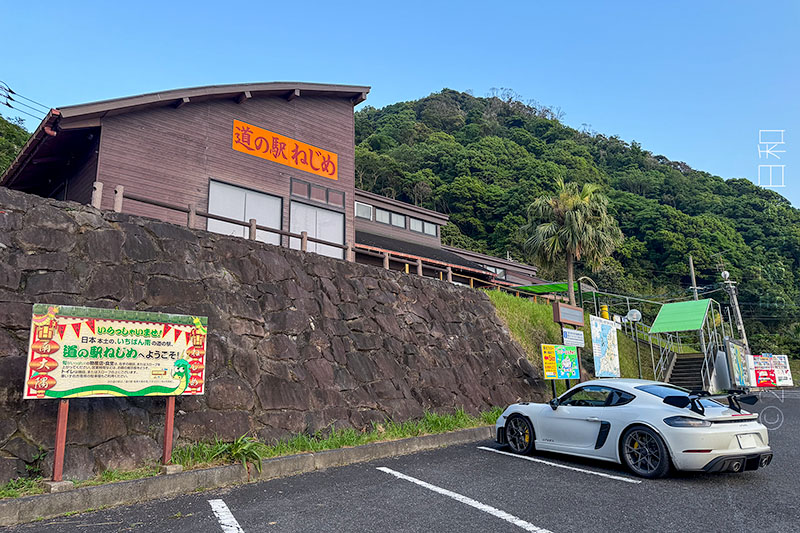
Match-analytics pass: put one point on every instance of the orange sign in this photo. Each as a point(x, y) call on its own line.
point(279, 149)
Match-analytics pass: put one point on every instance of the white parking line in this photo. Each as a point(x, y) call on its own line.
point(225, 517)
point(576, 469)
point(527, 526)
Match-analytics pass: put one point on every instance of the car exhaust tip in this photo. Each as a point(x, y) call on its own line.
point(736, 466)
point(765, 460)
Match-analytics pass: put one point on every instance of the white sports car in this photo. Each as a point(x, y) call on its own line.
point(646, 425)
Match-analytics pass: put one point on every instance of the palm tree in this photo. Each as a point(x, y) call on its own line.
point(572, 224)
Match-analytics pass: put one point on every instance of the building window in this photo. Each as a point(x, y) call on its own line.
point(363, 211)
point(318, 223)
point(415, 224)
point(243, 204)
point(381, 215)
point(398, 220)
point(430, 229)
point(299, 188)
point(335, 198)
point(318, 194)
point(499, 272)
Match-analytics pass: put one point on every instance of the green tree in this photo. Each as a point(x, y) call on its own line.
point(572, 224)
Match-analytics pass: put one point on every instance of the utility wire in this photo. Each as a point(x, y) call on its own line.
point(23, 112)
point(17, 102)
point(7, 88)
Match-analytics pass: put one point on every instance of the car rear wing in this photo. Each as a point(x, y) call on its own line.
point(734, 397)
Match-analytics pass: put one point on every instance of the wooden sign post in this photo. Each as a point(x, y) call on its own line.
point(89, 352)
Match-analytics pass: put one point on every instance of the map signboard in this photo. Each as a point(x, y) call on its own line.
point(783, 373)
point(560, 362)
point(604, 347)
point(573, 337)
point(88, 352)
point(738, 359)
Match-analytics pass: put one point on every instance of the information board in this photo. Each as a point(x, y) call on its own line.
point(560, 362)
point(573, 337)
point(604, 347)
point(738, 364)
point(783, 373)
point(88, 352)
point(763, 371)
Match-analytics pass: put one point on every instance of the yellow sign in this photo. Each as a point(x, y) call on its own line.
point(273, 147)
point(560, 362)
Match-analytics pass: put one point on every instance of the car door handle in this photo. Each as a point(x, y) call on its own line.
point(593, 419)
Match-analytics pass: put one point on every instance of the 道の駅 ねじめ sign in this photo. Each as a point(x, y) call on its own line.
point(88, 352)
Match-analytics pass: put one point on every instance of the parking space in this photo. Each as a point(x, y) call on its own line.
point(479, 487)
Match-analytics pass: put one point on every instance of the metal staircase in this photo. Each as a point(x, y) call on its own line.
point(687, 371)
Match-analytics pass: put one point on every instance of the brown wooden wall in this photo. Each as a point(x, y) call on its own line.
point(394, 232)
point(170, 154)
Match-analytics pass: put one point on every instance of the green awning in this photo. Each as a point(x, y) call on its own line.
point(545, 288)
point(681, 316)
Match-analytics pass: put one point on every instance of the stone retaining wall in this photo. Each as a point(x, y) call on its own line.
point(297, 342)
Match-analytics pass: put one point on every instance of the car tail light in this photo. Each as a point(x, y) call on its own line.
point(686, 422)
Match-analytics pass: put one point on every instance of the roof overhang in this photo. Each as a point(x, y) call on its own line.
point(85, 116)
point(681, 316)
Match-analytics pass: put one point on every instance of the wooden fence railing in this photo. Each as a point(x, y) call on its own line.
point(445, 271)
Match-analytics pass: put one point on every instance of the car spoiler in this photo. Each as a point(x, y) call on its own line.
point(735, 398)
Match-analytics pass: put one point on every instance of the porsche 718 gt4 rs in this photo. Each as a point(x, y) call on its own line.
point(648, 426)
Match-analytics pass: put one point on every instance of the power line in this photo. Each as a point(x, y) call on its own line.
point(7, 88)
point(23, 112)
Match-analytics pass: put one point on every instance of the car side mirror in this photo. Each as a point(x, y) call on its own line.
point(553, 403)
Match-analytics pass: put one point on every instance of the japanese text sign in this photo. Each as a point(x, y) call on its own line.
point(274, 147)
point(560, 362)
point(87, 352)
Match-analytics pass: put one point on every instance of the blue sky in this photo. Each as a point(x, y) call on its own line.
point(694, 81)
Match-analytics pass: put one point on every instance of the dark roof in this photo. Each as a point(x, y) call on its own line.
point(490, 260)
point(414, 249)
point(73, 124)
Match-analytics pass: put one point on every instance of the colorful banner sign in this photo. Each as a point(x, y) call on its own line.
point(764, 373)
point(783, 373)
point(277, 148)
point(88, 352)
point(560, 362)
point(604, 347)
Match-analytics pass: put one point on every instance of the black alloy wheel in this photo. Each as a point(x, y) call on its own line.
point(644, 453)
point(519, 434)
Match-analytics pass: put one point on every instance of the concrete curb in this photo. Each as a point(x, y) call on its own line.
point(29, 508)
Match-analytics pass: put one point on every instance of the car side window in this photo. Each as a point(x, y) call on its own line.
point(588, 396)
point(618, 397)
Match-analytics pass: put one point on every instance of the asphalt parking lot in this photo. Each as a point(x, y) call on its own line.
point(475, 488)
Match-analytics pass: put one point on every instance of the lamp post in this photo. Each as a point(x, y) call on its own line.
point(634, 315)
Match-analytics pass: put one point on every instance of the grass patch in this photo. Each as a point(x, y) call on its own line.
point(21, 487)
point(110, 476)
point(245, 449)
point(531, 324)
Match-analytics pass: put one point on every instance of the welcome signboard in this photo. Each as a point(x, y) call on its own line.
point(88, 352)
point(560, 362)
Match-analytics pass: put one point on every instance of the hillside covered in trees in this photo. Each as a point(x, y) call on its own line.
point(484, 160)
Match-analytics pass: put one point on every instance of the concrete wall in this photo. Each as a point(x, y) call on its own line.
point(297, 342)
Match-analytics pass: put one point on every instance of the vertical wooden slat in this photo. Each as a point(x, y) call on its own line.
point(97, 194)
point(386, 260)
point(304, 241)
point(119, 194)
point(350, 254)
point(252, 233)
point(449, 274)
point(192, 216)
point(419, 266)
point(169, 420)
point(61, 439)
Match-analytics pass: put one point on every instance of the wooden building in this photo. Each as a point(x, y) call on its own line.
point(280, 153)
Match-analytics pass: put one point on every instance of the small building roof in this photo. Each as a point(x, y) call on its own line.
point(681, 316)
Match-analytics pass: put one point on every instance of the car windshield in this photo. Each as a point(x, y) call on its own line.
point(664, 390)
